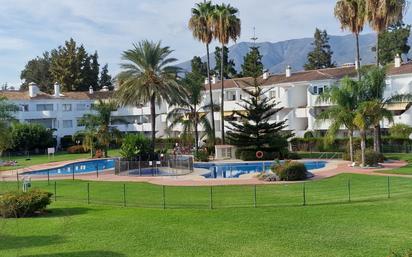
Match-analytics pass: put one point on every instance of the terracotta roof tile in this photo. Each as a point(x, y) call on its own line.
point(83, 95)
point(404, 69)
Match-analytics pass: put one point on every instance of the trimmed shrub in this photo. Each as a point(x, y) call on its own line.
point(372, 158)
point(31, 136)
point(134, 145)
point(24, 204)
point(290, 171)
point(202, 156)
point(293, 156)
point(76, 149)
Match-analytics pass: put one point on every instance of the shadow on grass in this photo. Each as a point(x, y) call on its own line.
point(67, 212)
point(79, 254)
point(20, 242)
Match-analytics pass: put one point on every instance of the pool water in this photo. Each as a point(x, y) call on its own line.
point(234, 170)
point(76, 168)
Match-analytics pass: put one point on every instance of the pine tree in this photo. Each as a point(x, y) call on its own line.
point(254, 132)
point(393, 41)
point(105, 78)
point(229, 65)
point(199, 67)
point(321, 56)
point(252, 63)
point(37, 71)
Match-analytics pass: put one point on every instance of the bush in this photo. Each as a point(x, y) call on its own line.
point(293, 156)
point(134, 145)
point(372, 158)
point(76, 149)
point(202, 156)
point(290, 171)
point(66, 142)
point(400, 130)
point(24, 204)
point(31, 136)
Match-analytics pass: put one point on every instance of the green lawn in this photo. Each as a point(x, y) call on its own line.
point(371, 225)
point(23, 161)
point(407, 170)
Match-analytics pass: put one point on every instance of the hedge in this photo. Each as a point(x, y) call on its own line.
point(24, 204)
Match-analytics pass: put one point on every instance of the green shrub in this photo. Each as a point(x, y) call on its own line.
point(134, 145)
point(400, 130)
point(372, 158)
point(23, 204)
point(31, 136)
point(66, 142)
point(290, 171)
point(293, 156)
point(76, 149)
point(202, 156)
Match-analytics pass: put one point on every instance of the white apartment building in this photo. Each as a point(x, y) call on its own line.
point(296, 92)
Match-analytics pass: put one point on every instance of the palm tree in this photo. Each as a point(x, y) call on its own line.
point(374, 82)
point(188, 111)
point(99, 132)
point(148, 77)
point(383, 13)
point(345, 99)
point(351, 15)
point(201, 25)
point(226, 27)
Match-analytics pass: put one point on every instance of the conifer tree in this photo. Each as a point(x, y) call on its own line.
point(252, 63)
point(321, 56)
point(254, 132)
point(229, 65)
point(393, 41)
point(105, 78)
point(199, 67)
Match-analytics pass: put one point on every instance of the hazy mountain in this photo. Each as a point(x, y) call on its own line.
point(276, 56)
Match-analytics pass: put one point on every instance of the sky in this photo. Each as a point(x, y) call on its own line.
point(30, 27)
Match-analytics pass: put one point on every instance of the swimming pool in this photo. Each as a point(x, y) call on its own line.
point(76, 168)
point(234, 170)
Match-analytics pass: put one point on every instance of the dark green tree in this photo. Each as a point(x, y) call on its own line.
point(321, 56)
point(254, 132)
point(105, 78)
point(38, 71)
point(252, 63)
point(229, 70)
point(199, 67)
point(393, 41)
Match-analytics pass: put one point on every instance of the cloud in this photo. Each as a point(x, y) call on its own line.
point(29, 27)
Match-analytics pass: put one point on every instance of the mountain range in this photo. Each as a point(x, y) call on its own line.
point(276, 56)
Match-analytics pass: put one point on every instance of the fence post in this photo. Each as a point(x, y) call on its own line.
point(304, 194)
point(88, 193)
point(349, 190)
point(164, 196)
point(254, 196)
point(97, 170)
point(211, 197)
point(124, 195)
point(55, 190)
point(73, 171)
point(389, 187)
point(48, 177)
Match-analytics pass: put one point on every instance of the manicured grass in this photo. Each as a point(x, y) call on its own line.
point(40, 159)
point(407, 170)
point(371, 225)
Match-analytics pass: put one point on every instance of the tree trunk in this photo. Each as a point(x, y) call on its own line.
point(358, 59)
point(196, 121)
point(222, 100)
point(377, 49)
point(351, 145)
point(377, 138)
point(153, 117)
point(212, 112)
point(363, 147)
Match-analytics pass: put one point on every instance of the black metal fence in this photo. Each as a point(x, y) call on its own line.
point(170, 165)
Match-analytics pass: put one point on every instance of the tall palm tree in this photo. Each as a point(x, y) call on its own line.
point(189, 112)
point(374, 83)
point(226, 27)
point(147, 76)
point(201, 25)
point(352, 16)
point(383, 13)
point(99, 132)
point(345, 99)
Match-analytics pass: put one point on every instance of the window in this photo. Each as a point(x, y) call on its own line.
point(67, 107)
point(44, 107)
point(230, 96)
point(24, 107)
point(81, 107)
point(320, 90)
point(67, 124)
point(272, 94)
point(315, 90)
point(79, 122)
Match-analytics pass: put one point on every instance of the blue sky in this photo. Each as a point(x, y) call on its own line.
point(28, 27)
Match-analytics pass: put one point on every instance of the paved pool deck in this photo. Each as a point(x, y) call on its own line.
point(332, 168)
